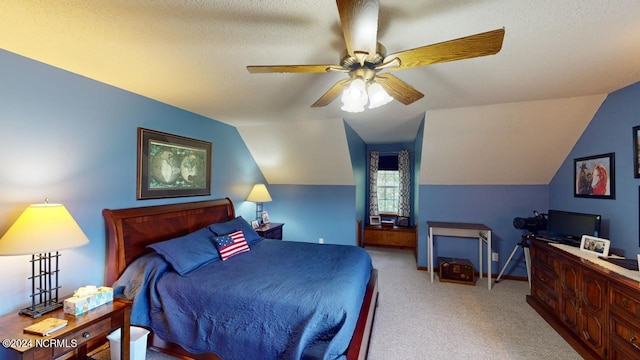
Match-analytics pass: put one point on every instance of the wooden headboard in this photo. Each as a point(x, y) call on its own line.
point(129, 231)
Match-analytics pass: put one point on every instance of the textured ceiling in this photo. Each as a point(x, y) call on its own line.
point(193, 54)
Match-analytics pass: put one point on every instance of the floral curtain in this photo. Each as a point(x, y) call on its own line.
point(373, 183)
point(404, 188)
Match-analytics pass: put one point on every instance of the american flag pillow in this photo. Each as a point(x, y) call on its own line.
point(231, 244)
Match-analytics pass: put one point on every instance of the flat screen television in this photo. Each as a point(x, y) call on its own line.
point(572, 225)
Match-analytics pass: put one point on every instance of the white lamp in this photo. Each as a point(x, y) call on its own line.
point(39, 231)
point(259, 194)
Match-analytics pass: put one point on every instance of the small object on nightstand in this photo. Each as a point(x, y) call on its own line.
point(46, 326)
point(271, 231)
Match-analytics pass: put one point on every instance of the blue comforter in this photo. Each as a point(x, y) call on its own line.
point(281, 300)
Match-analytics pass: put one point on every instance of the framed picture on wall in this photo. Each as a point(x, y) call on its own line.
point(636, 152)
point(594, 176)
point(172, 166)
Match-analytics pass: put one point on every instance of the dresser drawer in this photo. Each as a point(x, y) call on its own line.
point(544, 258)
point(545, 278)
point(544, 286)
point(624, 303)
point(80, 336)
point(624, 335)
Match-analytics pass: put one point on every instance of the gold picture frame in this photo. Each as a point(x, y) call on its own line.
point(172, 166)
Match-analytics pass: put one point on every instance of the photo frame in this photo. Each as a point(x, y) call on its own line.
point(636, 152)
point(374, 220)
point(255, 224)
point(595, 245)
point(594, 176)
point(265, 217)
point(172, 166)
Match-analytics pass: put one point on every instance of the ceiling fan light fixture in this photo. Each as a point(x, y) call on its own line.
point(377, 96)
point(352, 108)
point(357, 91)
point(354, 98)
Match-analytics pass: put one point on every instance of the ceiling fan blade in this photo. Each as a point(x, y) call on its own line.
point(359, 19)
point(398, 89)
point(487, 43)
point(294, 68)
point(332, 94)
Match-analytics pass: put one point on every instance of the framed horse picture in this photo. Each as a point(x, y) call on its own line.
point(594, 176)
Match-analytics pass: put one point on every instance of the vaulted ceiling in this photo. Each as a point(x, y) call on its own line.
point(558, 62)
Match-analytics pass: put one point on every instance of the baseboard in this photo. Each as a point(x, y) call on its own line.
point(484, 275)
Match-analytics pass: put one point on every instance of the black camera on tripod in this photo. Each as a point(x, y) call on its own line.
point(531, 224)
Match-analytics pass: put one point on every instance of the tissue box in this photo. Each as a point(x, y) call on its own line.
point(78, 305)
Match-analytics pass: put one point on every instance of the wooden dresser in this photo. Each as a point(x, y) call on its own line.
point(589, 303)
point(402, 237)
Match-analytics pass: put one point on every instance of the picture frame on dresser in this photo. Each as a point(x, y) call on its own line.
point(594, 176)
point(374, 220)
point(594, 245)
point(172, 166)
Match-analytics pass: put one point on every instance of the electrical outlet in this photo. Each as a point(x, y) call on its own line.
point(320, 241)
point(494, 257)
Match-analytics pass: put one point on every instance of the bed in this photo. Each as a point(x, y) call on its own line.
point(131, 231)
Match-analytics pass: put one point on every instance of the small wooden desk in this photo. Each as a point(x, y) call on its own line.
point(469, 230)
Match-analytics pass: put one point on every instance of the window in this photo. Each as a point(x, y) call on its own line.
point(388, 185)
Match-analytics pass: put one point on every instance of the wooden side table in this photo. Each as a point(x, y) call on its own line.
point(79, 332)
point(271, 231)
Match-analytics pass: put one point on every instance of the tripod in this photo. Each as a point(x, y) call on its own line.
point(527, 258)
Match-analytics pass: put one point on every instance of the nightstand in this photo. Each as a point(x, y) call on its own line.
point(79, 332)
point(271, 231)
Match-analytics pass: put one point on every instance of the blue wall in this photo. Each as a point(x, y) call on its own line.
point(311, 212)
point(74, 141)
point(609, 131)
point(492, 205)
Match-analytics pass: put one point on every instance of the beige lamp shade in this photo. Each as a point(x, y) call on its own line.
point(259, 194)
point(42, 228)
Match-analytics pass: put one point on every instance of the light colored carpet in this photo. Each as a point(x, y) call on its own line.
point(417, 319)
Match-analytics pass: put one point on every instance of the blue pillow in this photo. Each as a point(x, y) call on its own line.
point(236, 224)
point(189, 252)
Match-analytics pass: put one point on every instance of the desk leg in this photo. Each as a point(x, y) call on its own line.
point(489, 259)
point(430, 250)
point(480, 241)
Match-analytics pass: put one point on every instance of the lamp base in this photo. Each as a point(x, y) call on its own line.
point(40, 309)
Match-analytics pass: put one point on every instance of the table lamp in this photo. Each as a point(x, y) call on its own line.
point(259, 194)
point(42, 230)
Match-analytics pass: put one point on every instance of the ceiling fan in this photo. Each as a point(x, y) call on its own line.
point(365, 58)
